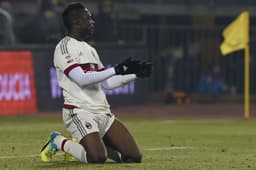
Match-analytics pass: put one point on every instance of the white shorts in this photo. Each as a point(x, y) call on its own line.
point(80, 123)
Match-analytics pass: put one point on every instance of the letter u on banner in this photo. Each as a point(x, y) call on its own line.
point(17, 84)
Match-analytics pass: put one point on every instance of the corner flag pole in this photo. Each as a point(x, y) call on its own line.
point(247, 69)
point(247, 82)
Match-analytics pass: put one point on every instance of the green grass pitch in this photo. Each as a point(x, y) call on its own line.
point(165, 143)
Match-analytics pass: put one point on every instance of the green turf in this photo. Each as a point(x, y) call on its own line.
point(209, 144)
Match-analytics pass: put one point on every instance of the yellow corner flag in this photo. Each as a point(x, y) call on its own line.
point(236, 34)
point(236, 37)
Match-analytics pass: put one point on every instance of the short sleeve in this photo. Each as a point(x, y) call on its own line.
point(65, 57)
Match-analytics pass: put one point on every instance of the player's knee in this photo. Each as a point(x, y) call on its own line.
point(136, 158)
point(97, 158)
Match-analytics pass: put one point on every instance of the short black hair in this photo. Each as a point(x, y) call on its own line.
point(72, 12)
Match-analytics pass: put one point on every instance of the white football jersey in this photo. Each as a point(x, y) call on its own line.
point(70, 53)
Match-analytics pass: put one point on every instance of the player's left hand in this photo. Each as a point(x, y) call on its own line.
point(145, 70)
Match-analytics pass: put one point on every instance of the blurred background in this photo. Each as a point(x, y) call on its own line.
point(180, 37)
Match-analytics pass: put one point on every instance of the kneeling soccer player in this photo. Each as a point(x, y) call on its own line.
point(86, 113)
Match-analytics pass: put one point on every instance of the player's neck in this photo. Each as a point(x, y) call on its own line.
point(75, 36)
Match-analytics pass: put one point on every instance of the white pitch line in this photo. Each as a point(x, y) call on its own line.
point(24, 156)
point(169, 148)
point(18, 156)
point(59, 154)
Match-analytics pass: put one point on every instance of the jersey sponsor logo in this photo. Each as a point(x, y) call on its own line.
point(70, 61)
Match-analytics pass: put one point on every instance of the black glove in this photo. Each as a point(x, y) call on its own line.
point(145, 70)
point(134, 66)
point(128, 66)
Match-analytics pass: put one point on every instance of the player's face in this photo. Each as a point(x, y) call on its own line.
point(87, 25)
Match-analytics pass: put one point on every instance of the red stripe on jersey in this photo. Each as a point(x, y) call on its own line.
point(67, 70)
point(89, 67)
point(101, 69)
point(68, 106)
point(63, 143)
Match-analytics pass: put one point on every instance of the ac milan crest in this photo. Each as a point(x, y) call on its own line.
point(88, 125)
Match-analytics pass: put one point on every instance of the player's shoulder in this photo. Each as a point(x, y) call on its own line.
point(90, 46)
point(64, 43)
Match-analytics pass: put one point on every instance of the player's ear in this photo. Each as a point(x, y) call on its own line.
point(77, 22)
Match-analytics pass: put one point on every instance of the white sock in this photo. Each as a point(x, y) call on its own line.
point(73, 148)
